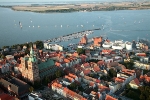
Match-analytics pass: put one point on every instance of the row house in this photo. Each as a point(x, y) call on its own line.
point(57, 88)
point(73, 76)
point(141, 65)
point(85, 72)
point(10, 59)
point(126, 76)
point(92, 82)
point(66, 81)
point(144, 78)
point(144, 59)
point(103, 89)
point(87, 52)
point(67, 62)
point(90, 94)
point(53, 56)
point(4, 66)
point(96, 57)
point(116, 65)
point(115, 86)
point(83, 58)
point(66, 92)
point(120, 80)
point(69, 78)
point(117, 59)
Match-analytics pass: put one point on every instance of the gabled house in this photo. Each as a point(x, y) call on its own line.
point(134, 83)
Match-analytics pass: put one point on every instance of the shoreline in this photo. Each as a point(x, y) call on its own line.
point(83, 7)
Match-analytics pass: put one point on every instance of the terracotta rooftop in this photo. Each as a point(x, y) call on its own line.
point(108, 97)
point(96, 69)
point(135, 81)
point(72, 75)
point(4, 96)
point(100, 62)
point(119, 79)
point(141, 54)
point(86, 72)
point(86, 64)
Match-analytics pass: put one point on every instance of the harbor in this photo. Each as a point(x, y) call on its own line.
point(75, 35)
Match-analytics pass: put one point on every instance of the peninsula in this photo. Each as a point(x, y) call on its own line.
point(95, 6)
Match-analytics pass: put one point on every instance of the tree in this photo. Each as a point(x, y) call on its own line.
point(37, 84)
point(112, 73)
point(27, 51)
point(31, 89)
point(119, 99)
point(73, 86)
point(145, 92)
point(80, 51)
point(133, 95)
point(58, 73)
point(45, 80)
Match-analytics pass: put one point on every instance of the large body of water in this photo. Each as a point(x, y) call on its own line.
point(123, 24)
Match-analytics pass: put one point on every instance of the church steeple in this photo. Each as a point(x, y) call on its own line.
point(32, 57)
point(31, 52)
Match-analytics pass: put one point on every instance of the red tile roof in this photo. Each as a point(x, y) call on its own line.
point(86, 64)
point(108, 97)
point(96, 69)
point(91, 84)
point(135, 81)
point(98, 81)
point(4, 96)
point(100, 62)
point(119, 79)
point(72, 75)
point(86, 72)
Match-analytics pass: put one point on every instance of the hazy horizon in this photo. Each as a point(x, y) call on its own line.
point(68, 0)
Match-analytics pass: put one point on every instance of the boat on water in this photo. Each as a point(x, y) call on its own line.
point(97, 29)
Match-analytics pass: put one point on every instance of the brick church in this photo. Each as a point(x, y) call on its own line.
point(33, 71)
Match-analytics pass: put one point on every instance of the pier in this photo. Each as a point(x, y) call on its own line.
point(72, 36)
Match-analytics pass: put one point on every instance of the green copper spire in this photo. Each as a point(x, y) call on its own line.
point(31, 52)
point(32, 57)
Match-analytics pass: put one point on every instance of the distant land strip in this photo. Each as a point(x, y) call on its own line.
point(48, 8)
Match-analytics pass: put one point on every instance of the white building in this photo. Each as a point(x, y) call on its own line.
point(128, 45)
point(114, 87)
point(107, 44)
point(53, 46)
point(140, 65)
point(117, 46)
point(9, 57)
point(35, 96)
point(5, 68)
point(134, 83)
point(144, 59)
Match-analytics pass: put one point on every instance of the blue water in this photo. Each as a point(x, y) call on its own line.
point(123, 24)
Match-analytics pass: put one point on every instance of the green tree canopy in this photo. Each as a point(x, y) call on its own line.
point(112, 73)
point(80, 51)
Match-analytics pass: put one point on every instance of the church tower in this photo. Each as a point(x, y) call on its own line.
point(33, 70)
point(30, 70)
